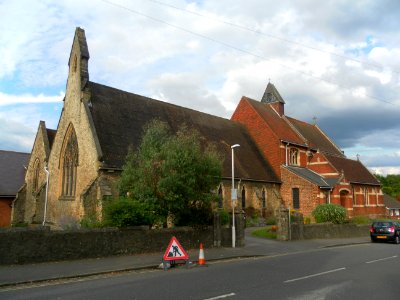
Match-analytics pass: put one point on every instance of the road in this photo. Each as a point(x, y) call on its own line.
point(365, 271)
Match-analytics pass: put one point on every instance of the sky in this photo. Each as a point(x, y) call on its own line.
point(334, 62)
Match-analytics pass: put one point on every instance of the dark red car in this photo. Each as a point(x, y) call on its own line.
point(385, 231)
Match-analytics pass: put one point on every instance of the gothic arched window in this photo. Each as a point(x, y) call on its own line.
point(220, 197)
point(243, 198)
point(263, 199)
point(69, 163)
point(36, 172)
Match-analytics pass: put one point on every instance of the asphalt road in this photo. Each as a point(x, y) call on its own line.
point(365, 271)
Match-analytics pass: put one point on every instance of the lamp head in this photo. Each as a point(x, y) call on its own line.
point(234, 146)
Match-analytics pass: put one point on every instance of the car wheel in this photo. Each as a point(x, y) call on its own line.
point(373, 240)
point(397, 240)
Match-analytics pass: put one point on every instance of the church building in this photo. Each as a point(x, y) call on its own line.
point(72, 170)
point(312, 168)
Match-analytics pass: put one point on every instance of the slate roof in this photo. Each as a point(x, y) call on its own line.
point(390, 202)
point(119, 117)
point(315, 137)
point(278, 124)
point(312, 177)
point(354, 170)
point(271, 94)
point(51, 134)
point(12, 175)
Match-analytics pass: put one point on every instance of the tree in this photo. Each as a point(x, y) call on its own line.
point(390, 184)
point(173, 174)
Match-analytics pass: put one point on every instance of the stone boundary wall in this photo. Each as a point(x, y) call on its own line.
point(19, 246)
point(327, 231)
point(32, 245)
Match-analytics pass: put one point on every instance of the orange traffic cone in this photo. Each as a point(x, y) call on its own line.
point(202, 260)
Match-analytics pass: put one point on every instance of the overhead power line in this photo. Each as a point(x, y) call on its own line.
point(272, 36)
point(234, 47)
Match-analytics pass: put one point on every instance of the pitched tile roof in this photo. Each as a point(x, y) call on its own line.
point(119, 117)
point(315, 137)
point(12, 175)
point(354, 170)
point(278, 124)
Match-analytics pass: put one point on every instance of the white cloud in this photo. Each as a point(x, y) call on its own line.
point(325, 60)
point(6, 99)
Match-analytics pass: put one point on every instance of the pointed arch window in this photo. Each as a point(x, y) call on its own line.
point(243, 198)
point(69, 164)
point(220, 197)
point(263, 199)
point(36, 173)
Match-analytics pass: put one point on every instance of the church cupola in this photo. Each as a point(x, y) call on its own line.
point(271, 96)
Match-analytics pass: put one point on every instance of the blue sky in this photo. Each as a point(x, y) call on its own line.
point(336, 60)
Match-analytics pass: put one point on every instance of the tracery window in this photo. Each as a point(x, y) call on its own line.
point(293, 157)
point(69, 164)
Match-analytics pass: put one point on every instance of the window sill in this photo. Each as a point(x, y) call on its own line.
point(66, 198)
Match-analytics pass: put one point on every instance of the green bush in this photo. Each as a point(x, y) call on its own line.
point(90, 221)
point(125, 212)
point(224, 217)
point(270, 221)
point(329, 213)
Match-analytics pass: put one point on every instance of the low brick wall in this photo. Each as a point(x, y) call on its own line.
point(327, 231)
point(18, 246)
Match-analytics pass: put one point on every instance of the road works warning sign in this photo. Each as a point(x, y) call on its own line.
point(175, 251)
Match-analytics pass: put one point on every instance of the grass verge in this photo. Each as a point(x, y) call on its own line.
point(264, 232)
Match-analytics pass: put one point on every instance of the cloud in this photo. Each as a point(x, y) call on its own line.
point(336, 60)
point(6, 99)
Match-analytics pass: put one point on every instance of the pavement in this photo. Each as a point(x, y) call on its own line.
point(12, 275)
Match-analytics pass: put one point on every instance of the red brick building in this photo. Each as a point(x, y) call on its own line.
point(312, 168)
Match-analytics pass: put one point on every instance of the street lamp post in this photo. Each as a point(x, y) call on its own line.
point(233, 196)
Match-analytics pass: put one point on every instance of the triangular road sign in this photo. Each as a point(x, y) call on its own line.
point(175, 251)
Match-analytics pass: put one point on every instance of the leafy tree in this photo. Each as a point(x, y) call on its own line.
point(390, 184)
point(173, 173)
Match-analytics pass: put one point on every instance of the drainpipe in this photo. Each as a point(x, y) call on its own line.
point(286, 158)
point(47, 190)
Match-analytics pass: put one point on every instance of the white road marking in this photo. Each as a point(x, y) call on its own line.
point(376, 260)
point(221, 296)
point(314, 275)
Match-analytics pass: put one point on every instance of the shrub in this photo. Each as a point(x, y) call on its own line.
point(329, 213)
point(224, 217)
point(270, 221)
point(125, 212)
point(90, 221)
